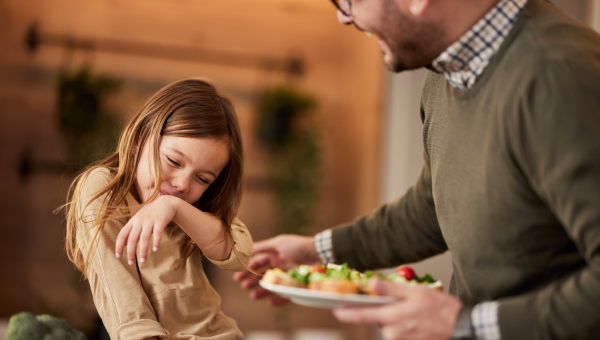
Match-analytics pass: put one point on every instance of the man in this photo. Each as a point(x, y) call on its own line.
point(511, 182)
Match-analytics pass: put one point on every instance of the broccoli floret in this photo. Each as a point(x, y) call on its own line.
point(59, 334)
point(60, 328)
point(25, 326)
point(53, 322)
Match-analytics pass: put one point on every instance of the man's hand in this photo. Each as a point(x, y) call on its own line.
point(420, 314)
point(284, 252)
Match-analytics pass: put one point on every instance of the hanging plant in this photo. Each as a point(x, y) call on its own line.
point(87, 131)
point(286, 128)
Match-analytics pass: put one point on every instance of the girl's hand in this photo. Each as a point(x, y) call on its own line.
point(149, 220)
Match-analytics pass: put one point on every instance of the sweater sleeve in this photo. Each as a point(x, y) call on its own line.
point(116, 287)
point(402, 231)
point(243, 245)
point(558, 138)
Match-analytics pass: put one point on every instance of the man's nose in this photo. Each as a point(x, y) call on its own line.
point(343, 19)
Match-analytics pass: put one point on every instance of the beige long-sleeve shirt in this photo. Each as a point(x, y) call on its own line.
point(152, 299)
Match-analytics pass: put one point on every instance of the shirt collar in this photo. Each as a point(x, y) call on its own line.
point(464, 61)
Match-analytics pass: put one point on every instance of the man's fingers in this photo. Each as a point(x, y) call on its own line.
point(387, 288)
point(250, 282)
point(279, 301)
point(241, 276)
point(260, 294)
point(259, 263)
point(362, 315)
point(268, 245)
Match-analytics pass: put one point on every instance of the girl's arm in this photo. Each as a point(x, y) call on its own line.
point(118, 293)
point(205, 230)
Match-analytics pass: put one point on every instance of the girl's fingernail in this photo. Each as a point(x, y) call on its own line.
point(130, 262)
point(154, 249)
point(142, 260)
point(118, 255)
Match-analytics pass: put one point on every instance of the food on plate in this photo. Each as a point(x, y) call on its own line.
point(335, 286)
point(341, 279)
point(405, 271)
point(279, 277)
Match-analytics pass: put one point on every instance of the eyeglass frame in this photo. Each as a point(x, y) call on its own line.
point(335, 3)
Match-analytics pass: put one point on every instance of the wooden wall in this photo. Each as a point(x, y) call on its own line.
point(343, 72)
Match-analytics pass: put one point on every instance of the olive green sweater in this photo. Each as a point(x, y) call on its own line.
point(511, 184)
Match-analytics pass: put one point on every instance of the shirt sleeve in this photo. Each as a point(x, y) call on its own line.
point(557, 143)
point(403, 231)
point(324, 246)
point(244, 246)
point(116, 286)
point(484, 319)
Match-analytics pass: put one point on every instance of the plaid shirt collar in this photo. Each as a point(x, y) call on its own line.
point(464, 61)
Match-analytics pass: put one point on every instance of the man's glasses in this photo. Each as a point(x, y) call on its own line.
point(344, 6)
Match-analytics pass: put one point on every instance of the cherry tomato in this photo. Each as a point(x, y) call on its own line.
point(406, 271)
point(319, 269)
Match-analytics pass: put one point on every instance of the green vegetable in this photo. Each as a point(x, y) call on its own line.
point(59, 334)
point(394, 277)
point(317, 277)
point(295, 274)
point(26, 326)
point(337, 274)
point(355, 275)
point(425, 279)
point(304, 269)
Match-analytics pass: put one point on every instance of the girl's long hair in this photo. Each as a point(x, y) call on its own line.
point(188, 108)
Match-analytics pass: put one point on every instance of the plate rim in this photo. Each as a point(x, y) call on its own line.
point(328, 296)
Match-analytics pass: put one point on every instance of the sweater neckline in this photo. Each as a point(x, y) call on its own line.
point(488, 74)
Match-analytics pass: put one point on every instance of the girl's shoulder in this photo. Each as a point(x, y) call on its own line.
point(96, 180)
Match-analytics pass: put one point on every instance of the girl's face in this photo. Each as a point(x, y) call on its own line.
point(188, 167)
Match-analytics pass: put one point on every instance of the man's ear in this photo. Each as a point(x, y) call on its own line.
point(418, 7)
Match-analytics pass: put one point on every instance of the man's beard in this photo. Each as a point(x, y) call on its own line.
point(411, 44)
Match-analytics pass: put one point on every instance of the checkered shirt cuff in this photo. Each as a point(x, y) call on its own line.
point(484, 319)
point(324, 246)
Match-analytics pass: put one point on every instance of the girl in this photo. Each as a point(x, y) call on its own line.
point(178, 169)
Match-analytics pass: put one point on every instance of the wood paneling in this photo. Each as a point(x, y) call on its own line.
point(343, 72)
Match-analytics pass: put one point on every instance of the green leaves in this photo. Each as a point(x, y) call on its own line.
point(286, 129)
point(26, 326)
point(425, 279)
point(88, 132)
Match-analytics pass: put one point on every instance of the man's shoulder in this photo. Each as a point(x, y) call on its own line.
point(549, 52)
point(548, 35)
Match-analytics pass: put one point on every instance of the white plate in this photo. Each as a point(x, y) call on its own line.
point(326, 300)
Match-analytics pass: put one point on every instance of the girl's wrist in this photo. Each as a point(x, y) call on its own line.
point(172, 202)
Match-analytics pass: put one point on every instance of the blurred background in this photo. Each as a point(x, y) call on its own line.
point(329, 134)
